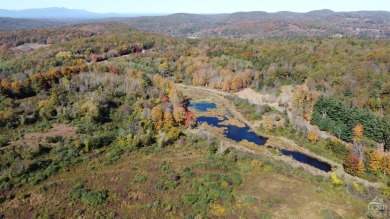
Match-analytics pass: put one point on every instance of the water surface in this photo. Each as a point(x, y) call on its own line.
point(233, 132)
point(303, 158)
point(202, 106)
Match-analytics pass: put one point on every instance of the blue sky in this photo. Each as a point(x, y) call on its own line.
point(200, 6)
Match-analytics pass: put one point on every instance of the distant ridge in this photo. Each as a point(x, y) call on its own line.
point(63, 13)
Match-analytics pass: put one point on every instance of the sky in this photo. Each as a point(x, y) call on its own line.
point(199, 6)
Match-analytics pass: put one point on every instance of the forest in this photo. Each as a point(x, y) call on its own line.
point(111, 96)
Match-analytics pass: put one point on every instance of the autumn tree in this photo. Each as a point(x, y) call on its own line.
point(386, 164)
point(236, 83)
point(90, 111)
point(163, 68)
point(358, 132)
point(179, 114)
point(376, 160)
point(157, 117)
point(353, 164)
point(226, 85)
point(168, 120)
point(16, 87)
point(47, 107)
point(312, 136)
point(268, 123)
point(176, 96)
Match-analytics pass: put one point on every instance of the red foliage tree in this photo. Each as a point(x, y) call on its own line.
point(353, 164)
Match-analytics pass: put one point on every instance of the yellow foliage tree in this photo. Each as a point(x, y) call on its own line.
point(47, 107)
point(376, 159)
point(179, 114)
point(16, 86)
point(312, 136)
point(168, 120)
point(386, 164)
point(236, 83)
point(268, 123)
point(90, 111)
point(157, 117)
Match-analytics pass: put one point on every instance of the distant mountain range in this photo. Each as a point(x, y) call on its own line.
point(247, 25)
point(63, 13)
point(258, 24)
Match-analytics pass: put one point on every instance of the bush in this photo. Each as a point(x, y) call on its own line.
point(88, 197)
point(338, 148)
point(94, 198)
point(335, 180)
point(3, 141)
point(54, 139)
point(140, 178)
point(100, 141)
point(190, 199)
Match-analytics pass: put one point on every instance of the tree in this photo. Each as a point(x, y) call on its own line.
point(386, 164)
point(179, 114)
point(157, 117)
point(268, 123)
point(90, 111)
point(176, 96)
point(312, 136)
point(168, 120)
point(376, 160)
point(353, 164)
point(236, 83)
point(16, 87)
point(358, 132)
point(47, 107)
point(163, 68)
point(226, 85)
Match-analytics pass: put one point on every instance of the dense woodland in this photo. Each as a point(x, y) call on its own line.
point(116, 85)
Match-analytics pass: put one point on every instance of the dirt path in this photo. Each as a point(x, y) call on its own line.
point(284, 142)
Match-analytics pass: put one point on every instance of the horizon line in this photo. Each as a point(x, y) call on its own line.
point(182, 12)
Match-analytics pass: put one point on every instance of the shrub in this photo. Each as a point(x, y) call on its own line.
point(3, 141)
point(386, 191)
point(256, 165)
point(88, 197)
point(217, 210)
point(54, 139)
point(94, 198)
point(337, 148)
point(140, 178)
point(335, 180)
point(190, 199)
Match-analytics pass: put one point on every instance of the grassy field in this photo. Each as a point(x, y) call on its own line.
point(182, 181)
point(188, 178)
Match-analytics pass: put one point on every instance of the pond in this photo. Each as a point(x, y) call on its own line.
point(303, 158)
point(234, 132)
point(202, 106)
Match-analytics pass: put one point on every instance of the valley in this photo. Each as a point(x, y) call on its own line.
point(240, 115)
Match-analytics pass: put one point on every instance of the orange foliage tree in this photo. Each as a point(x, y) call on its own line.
point(358, 132)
